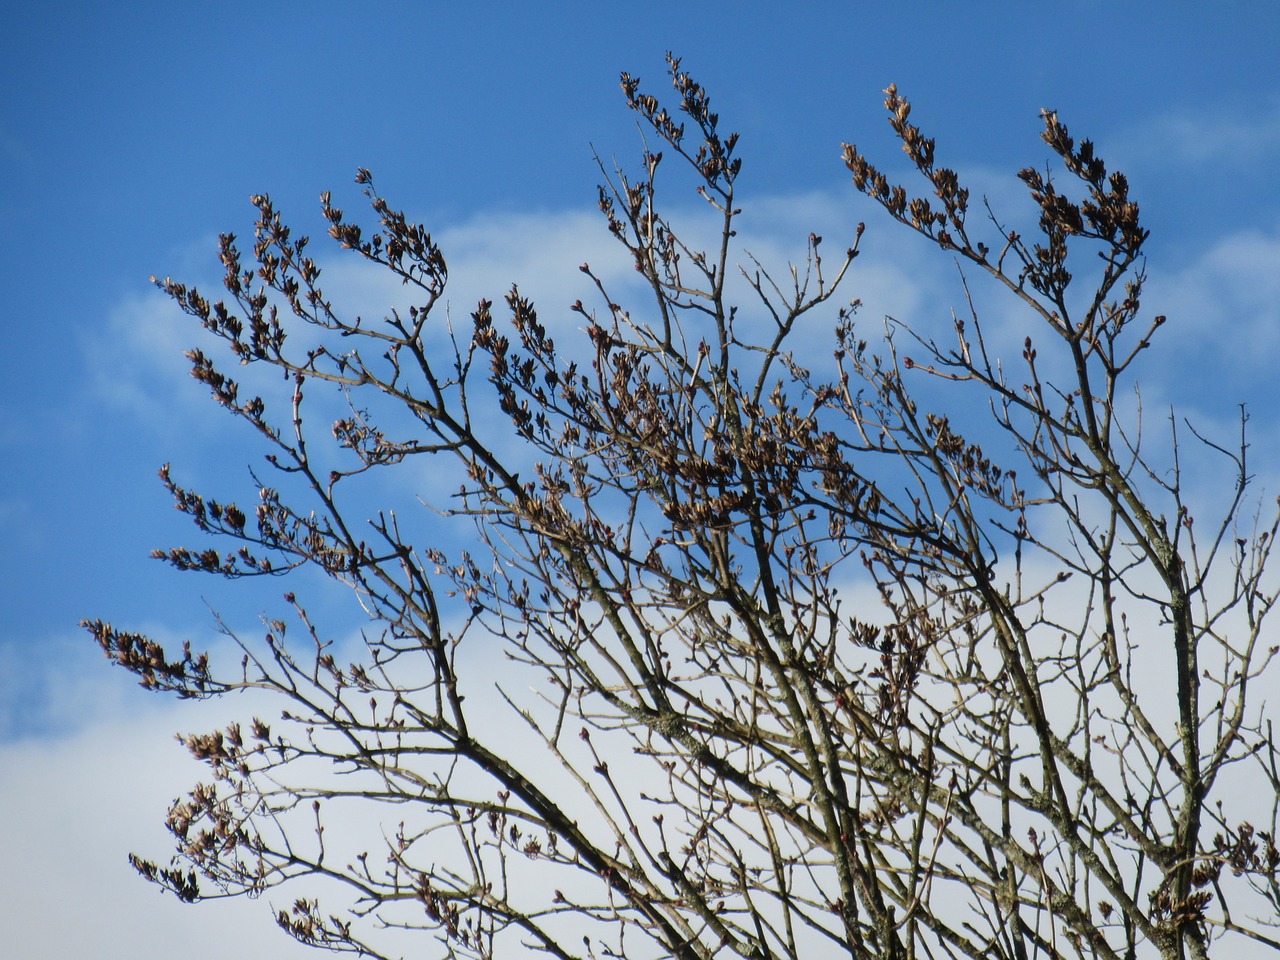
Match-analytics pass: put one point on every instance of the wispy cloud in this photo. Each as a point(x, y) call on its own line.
point(1224, 306)
point(135, 361)
point(1231, 134)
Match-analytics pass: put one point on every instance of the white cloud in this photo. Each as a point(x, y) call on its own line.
point(539, 252)
point(1224, 308)
point(135, 362)
point(1236, 283)
point(74, 807)
point(1230, 134)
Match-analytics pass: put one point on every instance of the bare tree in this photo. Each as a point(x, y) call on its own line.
point(893, 648)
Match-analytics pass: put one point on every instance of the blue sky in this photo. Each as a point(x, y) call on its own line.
point(131, 134)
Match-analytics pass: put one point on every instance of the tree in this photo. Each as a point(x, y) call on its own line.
point(896, 647)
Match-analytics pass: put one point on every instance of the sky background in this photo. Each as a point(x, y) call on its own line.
point(132, 133)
